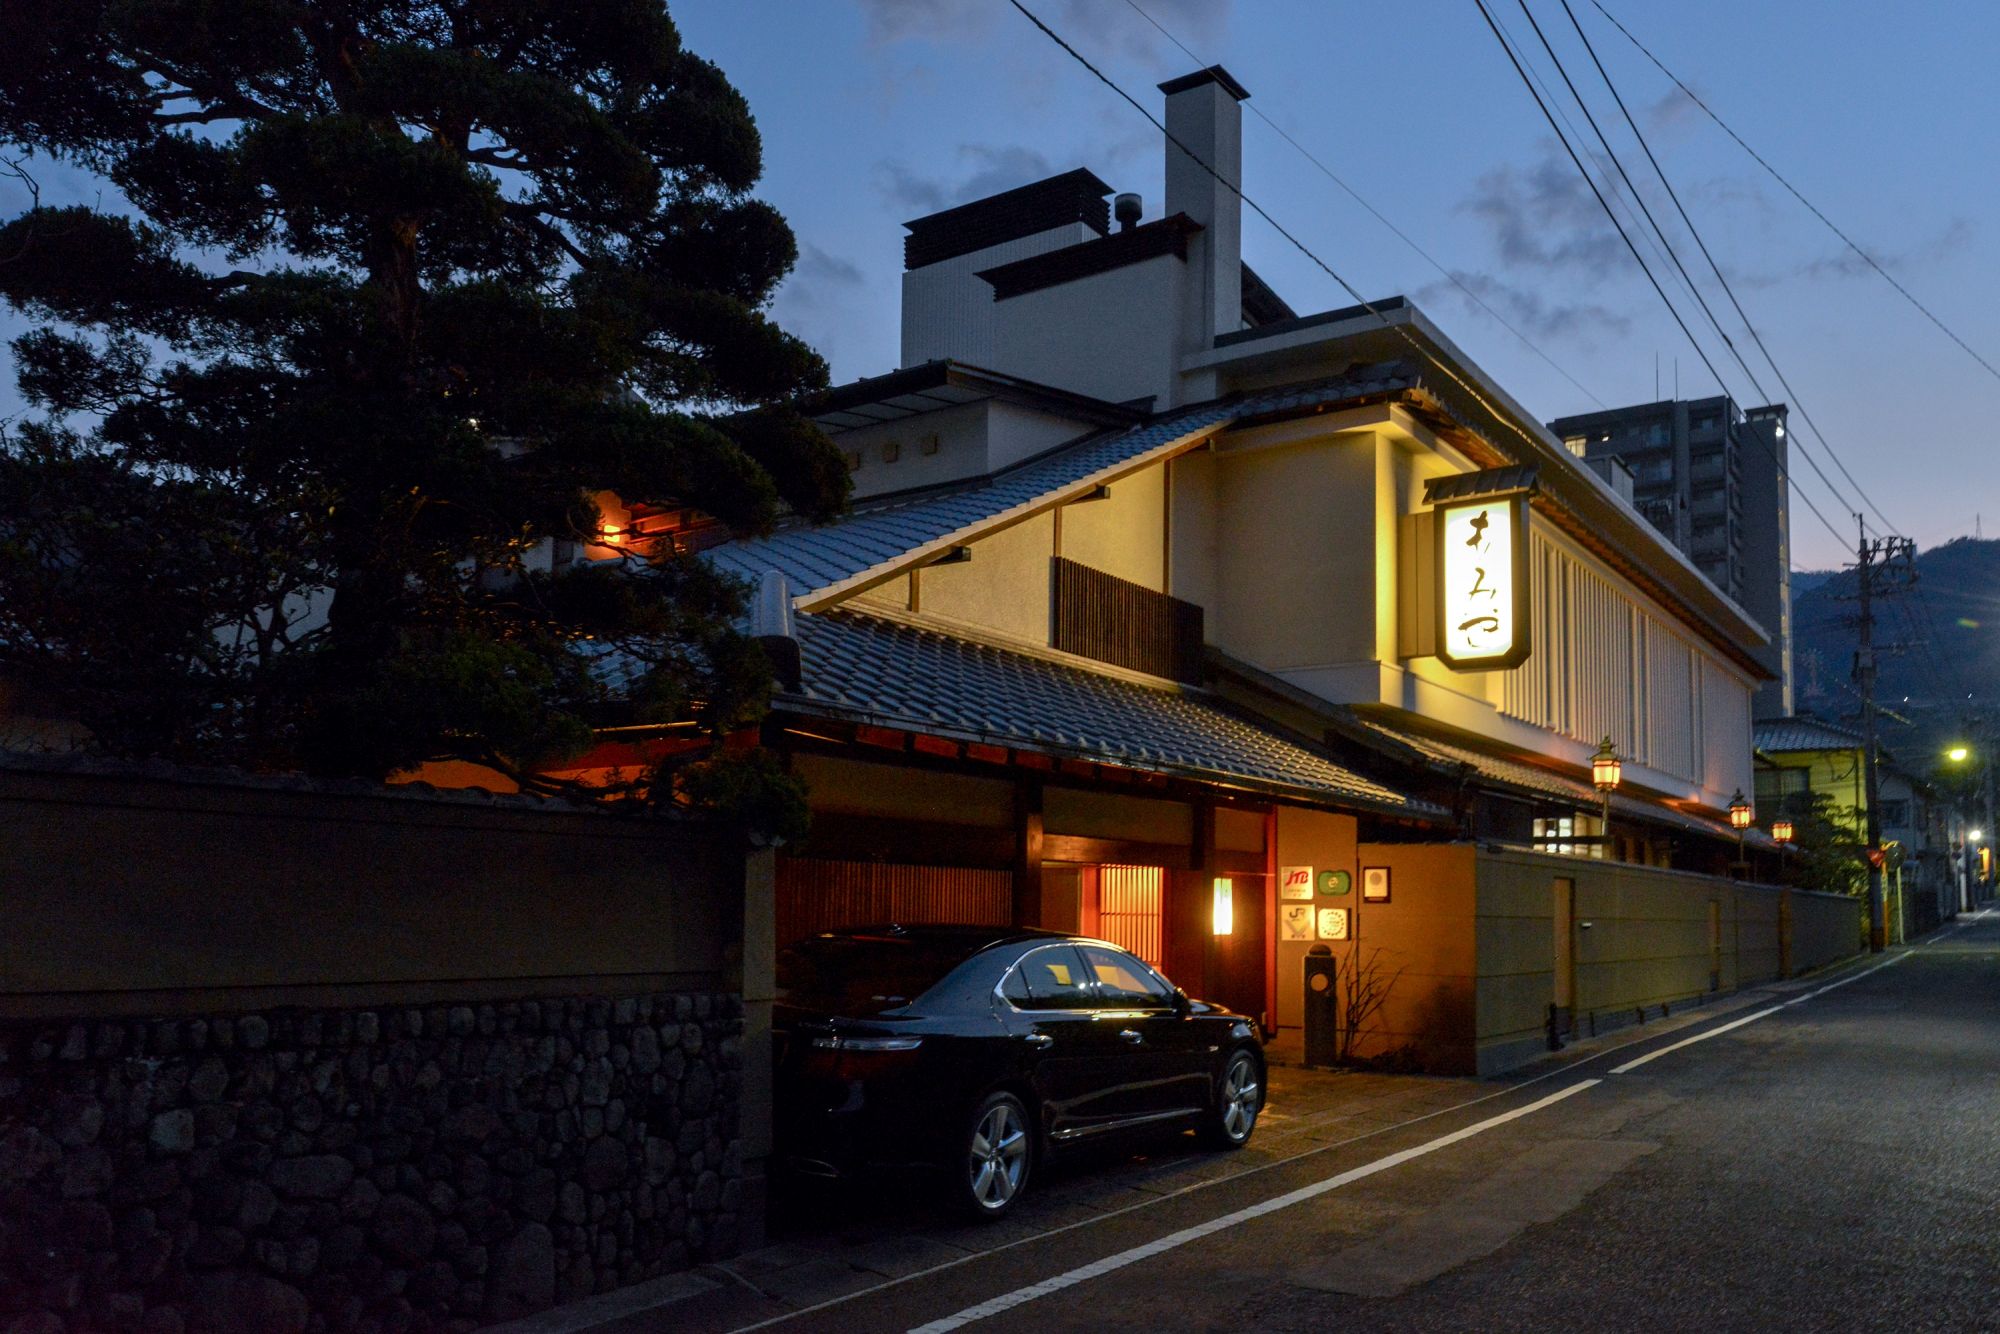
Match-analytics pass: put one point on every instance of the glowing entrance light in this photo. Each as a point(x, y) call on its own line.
point(1224, 920)
point(1482, 592)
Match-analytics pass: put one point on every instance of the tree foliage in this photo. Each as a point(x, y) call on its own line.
point(401, 286)
point(1830, 853)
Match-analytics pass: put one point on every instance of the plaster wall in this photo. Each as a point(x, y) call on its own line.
point(948, 311)
point(1649, 943)
point(1322, 841)
point(1110, 335)
point(961, 433)
point(1125, 535)
point(1421, 942)
point(1295, 533)
point(1003, 588)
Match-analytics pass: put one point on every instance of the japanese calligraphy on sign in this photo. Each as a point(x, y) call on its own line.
point(1482, 584)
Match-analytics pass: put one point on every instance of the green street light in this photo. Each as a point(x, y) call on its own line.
point(1958, 754)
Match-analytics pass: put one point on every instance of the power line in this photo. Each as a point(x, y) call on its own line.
point(1695, 232)
point(1644, 268)
point(1471, 389)
point(1759, 159)
point(1672, 254)
point(1377, 214)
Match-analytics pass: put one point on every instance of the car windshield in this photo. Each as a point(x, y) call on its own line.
point(861, 974)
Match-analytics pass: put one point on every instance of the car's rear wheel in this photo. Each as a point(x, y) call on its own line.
point(1238, 1098)
point(999, 1153)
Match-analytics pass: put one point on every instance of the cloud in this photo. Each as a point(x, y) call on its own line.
point(1094, 26)
point(1545, 218)
point(819, 281)
point(1533, 312)
point(1844, 263)
point(991, 170)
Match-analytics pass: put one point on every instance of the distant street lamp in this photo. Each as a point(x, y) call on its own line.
point(1740, 815)
point(1605, 771)
point(1958, 754)
point(1781, 830)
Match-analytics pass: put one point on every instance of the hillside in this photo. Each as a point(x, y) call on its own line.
point(1958, 611)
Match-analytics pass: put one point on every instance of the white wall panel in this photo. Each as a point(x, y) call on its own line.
point(1607, 664)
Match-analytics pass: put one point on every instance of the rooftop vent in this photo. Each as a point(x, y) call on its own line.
point(1127, 208)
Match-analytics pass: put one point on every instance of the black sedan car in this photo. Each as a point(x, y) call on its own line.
point(981, 1050)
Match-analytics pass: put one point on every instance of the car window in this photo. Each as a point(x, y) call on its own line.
point(1123, 980)
point(1054, 978)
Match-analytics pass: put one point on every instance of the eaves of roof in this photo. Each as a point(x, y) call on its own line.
point(825, 564)
point(897, 672)
point(1523, 776)
point(935, 385)
point(1474, 414)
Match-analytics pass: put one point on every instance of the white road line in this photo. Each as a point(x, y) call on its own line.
point(1173, 1241)
point(1699, 1037)
point(1232, 1178)
point(1753, 1018)
point(1852, 977)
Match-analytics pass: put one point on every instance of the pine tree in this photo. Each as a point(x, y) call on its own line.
point(401, 288)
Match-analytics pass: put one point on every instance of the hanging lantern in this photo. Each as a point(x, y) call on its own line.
point(1605, 770)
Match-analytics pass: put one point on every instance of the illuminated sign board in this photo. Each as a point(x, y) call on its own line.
point(1482, 572)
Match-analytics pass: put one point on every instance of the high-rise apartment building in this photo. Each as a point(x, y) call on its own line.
point(1709, 476)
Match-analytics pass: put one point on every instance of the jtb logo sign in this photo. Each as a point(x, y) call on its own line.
point(1482, 583)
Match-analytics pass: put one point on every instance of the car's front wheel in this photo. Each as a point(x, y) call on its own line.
point(1238, 1098)
point(999, 1152)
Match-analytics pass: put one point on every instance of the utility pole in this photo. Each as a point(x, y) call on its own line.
point(1888, 559)
point(1864, 675)
point(1988, 735)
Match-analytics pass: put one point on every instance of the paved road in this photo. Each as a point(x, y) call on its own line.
point(1828, 1158)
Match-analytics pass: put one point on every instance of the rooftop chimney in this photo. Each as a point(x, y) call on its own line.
point(1205, 113)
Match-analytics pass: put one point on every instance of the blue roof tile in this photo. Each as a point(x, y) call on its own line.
point(814, 558)
point(890, 672)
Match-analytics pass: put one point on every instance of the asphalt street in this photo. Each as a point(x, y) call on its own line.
point(1823, 1157)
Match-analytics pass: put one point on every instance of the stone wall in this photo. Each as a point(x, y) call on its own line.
point(363, 1169)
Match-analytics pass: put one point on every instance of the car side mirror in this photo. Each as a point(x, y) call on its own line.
point(1182, 1005)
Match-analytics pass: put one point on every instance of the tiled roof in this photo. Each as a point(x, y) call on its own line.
point(815, 558)
point(1534, 778)
point(891, 673)
point(1785, 734)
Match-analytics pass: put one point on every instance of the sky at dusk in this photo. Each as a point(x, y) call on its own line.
point(877, 111)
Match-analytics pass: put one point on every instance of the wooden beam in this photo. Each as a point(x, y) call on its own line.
point(873, 838)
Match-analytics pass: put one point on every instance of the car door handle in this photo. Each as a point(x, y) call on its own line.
point(1132, 1035)
point(1040, 1040)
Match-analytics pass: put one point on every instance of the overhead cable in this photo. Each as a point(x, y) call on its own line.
point(1846, 240)
point(1791, 394)
point(1639, 259)
point(1378, 215)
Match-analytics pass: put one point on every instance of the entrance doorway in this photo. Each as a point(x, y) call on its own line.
point(1122, 904)
point(1565, 956)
